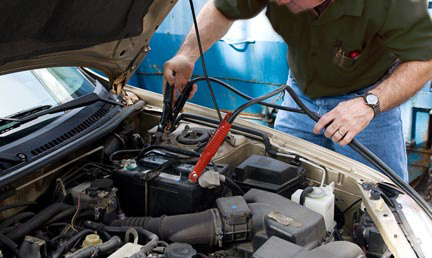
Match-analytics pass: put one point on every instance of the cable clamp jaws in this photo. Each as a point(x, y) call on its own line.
point(210, 149)
point(170, 111)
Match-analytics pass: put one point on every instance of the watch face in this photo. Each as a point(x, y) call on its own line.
point(371, 99)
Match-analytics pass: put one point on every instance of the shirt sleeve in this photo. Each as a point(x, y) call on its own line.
point(407, 31)
point(240, 9)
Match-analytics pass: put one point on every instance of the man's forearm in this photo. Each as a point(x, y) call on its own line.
point(404, 83)
point(212, 25)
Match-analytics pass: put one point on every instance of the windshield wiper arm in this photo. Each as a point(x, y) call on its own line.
point(7, 119)
point(16, 117)
point(75, 103)
point(31, 114)
point(9, 157)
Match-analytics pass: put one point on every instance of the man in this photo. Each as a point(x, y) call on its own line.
point(352, 61)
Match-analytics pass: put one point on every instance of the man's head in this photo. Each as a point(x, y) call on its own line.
point(297, 6)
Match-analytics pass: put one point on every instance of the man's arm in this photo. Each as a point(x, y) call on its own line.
point(351, 117)
point(212, 25)
point(404, 83)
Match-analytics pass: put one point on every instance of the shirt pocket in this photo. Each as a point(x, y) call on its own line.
point(347, 56)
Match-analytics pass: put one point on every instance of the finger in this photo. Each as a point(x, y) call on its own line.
point(332, 129)
point(348, 138)
point(163, 85)
point(323, 122)
point(179, 83)
point(193, 91)
point(168, 74)
point(337, 136)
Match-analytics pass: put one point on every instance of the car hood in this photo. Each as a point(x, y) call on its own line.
point(111, 36)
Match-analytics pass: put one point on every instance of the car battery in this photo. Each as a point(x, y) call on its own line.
point(168, 193)
point(269, 174)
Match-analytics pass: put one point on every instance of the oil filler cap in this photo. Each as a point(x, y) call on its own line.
point(179, 250)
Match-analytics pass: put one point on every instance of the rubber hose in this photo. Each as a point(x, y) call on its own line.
point(305, 192)
point(7, 229)
point(66, 246)
point(16, 205)
point(148, 247)
point(6, 241)
point(233, 186)
point(194, 228)
point(16, 218)
point(63, 214)
point(108, 247)
point(37, 221)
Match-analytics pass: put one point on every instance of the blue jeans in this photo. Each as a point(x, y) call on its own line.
point(383, 136)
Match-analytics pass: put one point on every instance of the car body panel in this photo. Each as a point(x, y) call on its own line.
point(348, 175)
point(32, 43)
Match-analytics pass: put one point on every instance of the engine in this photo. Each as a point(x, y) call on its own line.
point(134, 199)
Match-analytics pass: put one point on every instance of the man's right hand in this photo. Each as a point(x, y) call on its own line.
point(212, 25)
point(177, 72)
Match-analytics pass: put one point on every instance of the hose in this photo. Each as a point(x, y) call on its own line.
point(107, 247)
point(148, 247)
point(71, 242)
point(195, 228)
point(233, 186)
point(16, 218)
point(16, 205)
point(37, 221)
point(305, 192)
point(9, 243)
point(63, 214)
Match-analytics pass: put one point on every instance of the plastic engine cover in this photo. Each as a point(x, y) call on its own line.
point(269, 174)
point(279, 248)
point(285, 219)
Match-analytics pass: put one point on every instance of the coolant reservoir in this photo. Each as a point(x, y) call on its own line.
point(320, 200)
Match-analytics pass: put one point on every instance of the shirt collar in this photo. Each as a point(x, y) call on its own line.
point(341, 8)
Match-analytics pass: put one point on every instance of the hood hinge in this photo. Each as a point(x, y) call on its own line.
point(120, 82)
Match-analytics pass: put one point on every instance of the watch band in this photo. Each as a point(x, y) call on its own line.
point(375, 106)
point(376, 109)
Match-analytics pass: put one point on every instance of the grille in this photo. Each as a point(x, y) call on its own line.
point(103, 111)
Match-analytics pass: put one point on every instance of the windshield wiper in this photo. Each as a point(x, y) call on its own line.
point(29, 115)
point(16, 117)
point(9, 158)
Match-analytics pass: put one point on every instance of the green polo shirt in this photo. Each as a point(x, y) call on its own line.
point(350, 46)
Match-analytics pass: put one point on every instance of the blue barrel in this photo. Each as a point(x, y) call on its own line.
point(251, 57)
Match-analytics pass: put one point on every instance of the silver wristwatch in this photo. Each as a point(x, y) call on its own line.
point(372, 101)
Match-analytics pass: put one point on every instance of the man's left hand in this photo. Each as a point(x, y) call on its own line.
point(345, 121)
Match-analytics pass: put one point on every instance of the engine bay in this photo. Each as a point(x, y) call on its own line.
point(129, 195)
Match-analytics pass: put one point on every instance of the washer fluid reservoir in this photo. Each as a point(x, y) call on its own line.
point(320, 200)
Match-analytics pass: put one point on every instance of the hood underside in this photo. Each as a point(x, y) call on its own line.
point(111, 36)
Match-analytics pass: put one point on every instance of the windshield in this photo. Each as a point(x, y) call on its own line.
point(48, 86)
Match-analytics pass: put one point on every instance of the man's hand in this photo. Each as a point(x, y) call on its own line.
point(177, 72)
point(345, 121)
point(212, 25)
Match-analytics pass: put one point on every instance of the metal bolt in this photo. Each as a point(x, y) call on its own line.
point(22, 156)
point(194, 175)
